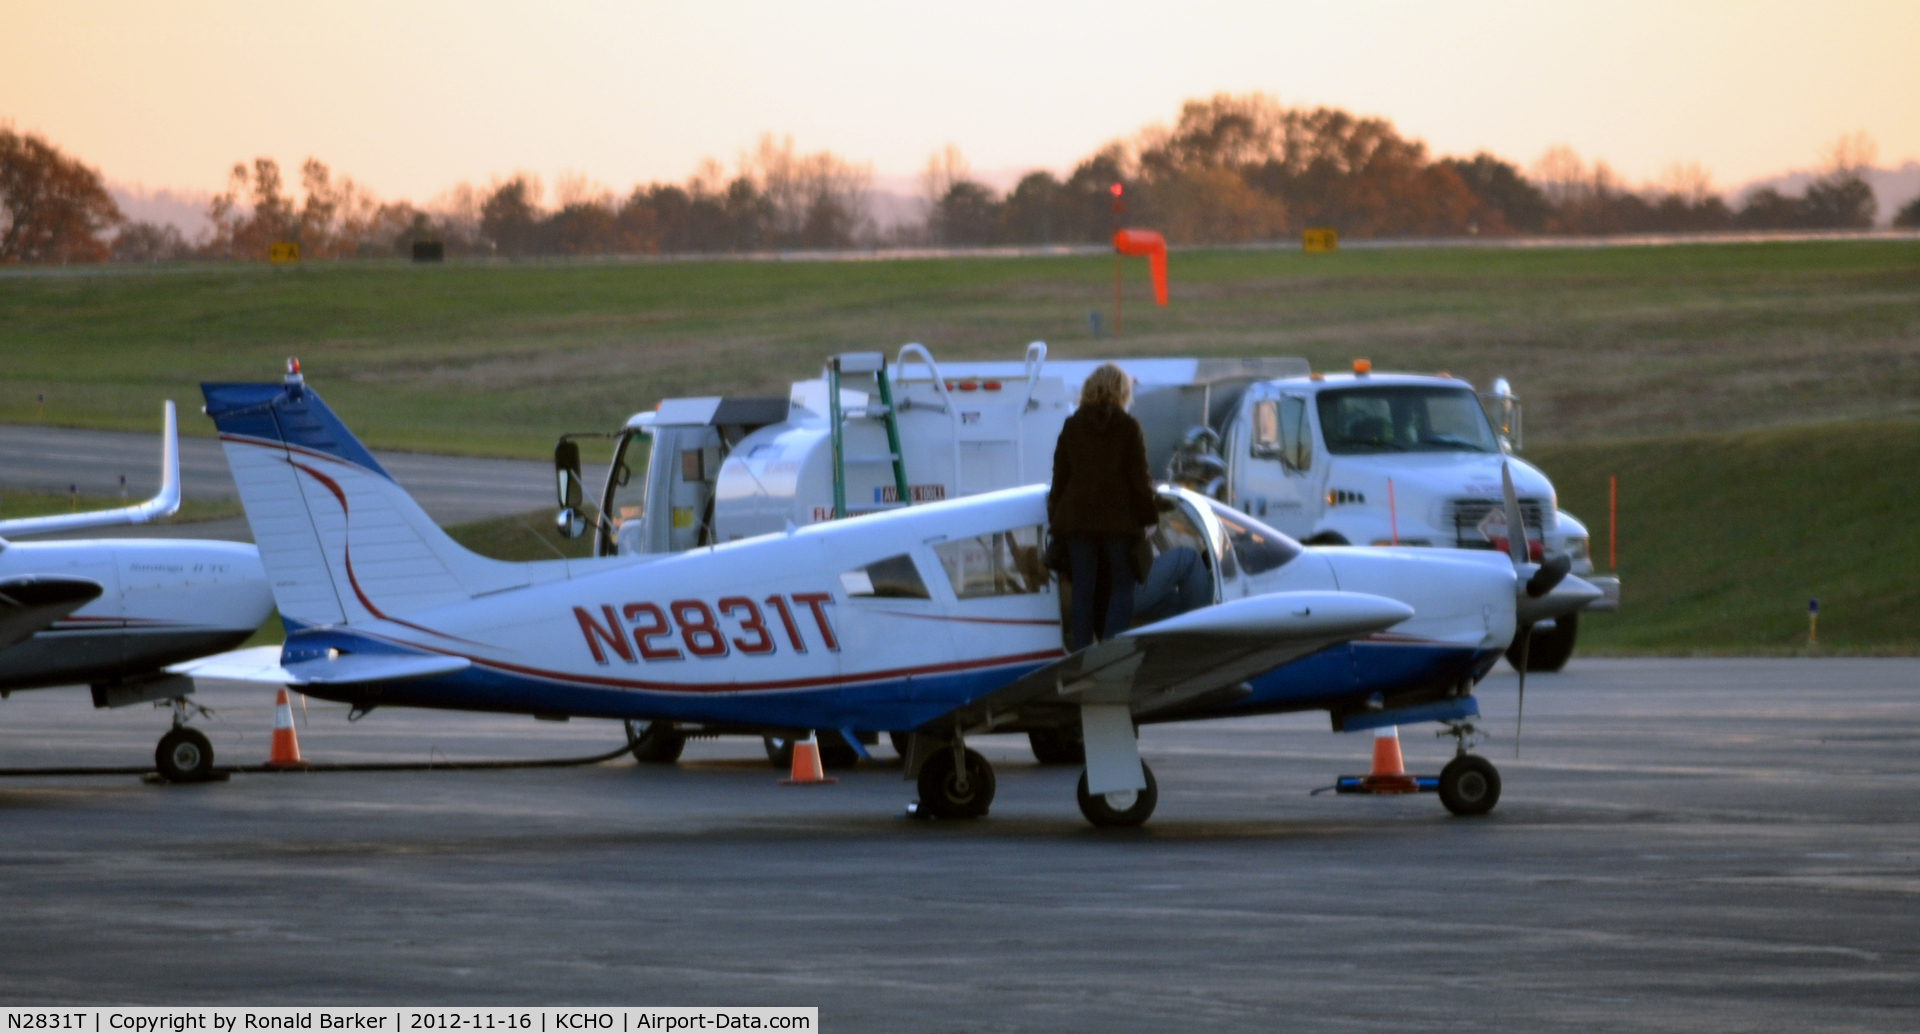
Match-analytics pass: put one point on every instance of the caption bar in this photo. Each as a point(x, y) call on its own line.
point(408, 1021)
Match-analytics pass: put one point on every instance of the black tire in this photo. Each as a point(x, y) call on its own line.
point(184, 756)
point(1551, 649)
point(1101, 812)
point(655, 743)
point(779, 752)
point(835, 751)
point(940, 795)
point(1058, 746)
point(1469, 785)
point(1326, 538)
point(901, 741)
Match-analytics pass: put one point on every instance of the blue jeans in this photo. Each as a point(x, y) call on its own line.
point(1178, 583)
point(1084, 557)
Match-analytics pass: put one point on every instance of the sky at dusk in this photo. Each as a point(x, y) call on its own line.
point(410, 98)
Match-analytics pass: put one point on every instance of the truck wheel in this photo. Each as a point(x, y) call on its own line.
point(1550, 649)
point(655, 743)
point(184, 756)
point(1327, 538)
point(940, 793)
point(1103, 810)
point(1469, 785)
point(1058, 746)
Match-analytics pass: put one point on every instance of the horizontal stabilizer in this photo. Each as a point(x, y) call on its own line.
point(29, 605)
point(262, 664)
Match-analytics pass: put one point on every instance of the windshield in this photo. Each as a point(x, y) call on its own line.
point(1404, 419)
point(1258, 547)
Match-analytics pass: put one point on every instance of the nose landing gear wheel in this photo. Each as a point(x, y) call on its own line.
point(1469, 785)
point(1114, 809)
point(184, 756)
point(944, 796)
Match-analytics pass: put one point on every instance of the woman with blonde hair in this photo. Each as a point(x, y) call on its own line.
point(1101, 501)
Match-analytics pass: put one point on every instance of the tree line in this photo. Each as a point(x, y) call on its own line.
point(1231, 169)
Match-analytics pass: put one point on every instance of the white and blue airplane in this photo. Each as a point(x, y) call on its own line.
point(939, 621)
point(113, 613)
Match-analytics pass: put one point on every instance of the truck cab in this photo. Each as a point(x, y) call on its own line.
point(1395, 459)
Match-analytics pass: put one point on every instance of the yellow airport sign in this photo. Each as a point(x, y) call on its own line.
point(1320, 239)
point(281, 253)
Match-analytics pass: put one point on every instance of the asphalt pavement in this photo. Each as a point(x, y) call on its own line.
point(1712, 845)
point(452, 489)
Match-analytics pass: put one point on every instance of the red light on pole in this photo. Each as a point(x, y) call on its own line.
point(1115, 189)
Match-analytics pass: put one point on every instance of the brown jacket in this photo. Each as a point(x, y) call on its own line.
point(1100, 481)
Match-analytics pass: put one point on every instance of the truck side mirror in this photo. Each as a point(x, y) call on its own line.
point(566, 472)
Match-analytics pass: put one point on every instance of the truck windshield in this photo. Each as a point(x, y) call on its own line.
point(1404, 419)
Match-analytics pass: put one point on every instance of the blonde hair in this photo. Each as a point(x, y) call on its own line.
point(1107, 384)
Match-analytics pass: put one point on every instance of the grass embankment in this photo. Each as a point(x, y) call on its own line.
point(497, 359)
point(1724, 538)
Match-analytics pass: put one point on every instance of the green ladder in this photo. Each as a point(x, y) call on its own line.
point(857, 363)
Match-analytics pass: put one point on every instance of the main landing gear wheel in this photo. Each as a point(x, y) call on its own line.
point(184, 756)
point(1469, 785)
point(1551, 648)
point(1130, 808)
point(1058, 746)
point(901, 741)
point(655, 743)
point(944, 795)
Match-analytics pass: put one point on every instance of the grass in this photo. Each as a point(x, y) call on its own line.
point(1758, 402)
point(1724, 538)
point(496, 359)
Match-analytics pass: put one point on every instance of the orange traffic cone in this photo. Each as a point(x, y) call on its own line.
point(1389, 773)
point(285, 751)
point(806, 764)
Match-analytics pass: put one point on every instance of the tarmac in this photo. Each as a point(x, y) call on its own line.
point(1693, 844)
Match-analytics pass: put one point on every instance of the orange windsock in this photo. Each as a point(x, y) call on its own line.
point(1154, 247)
point(806, 764)
point(285, 749)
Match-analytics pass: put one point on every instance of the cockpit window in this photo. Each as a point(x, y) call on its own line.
point(1258, 547)
point(1005, 563)
point(1404, 419)
point(892, 578)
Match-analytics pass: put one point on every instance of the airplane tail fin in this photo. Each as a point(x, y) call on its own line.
point(342, 542)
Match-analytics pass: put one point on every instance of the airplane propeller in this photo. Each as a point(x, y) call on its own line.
point(1540, 581)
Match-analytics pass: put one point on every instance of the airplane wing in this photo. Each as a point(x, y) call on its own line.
point(164, 504)
point(29, 605)
point(1187, 661)
point(262, 664)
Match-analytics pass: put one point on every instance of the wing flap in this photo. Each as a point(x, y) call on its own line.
point(1159, 667)
point(262, 664)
